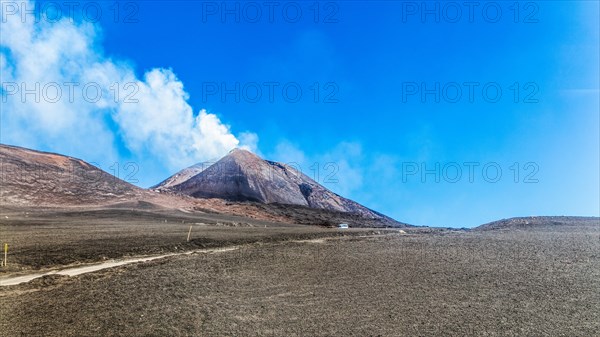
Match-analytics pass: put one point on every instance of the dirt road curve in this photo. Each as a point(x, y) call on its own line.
point(10, 281)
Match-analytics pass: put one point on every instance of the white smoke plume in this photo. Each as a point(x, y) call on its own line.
point(61, 92)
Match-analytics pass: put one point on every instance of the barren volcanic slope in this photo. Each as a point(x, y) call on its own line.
point(181, 176)
point(31, 177)
point(541, 221)
point(34, 178)
point(243, 176)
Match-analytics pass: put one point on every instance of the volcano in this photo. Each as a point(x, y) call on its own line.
point(240, 184)
point(243, 176)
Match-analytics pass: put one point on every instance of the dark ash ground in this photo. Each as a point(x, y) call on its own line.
point(532, 281)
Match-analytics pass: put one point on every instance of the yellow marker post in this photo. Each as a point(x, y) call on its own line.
point(5, 254)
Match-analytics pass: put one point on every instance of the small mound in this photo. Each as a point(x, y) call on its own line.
point(540, 221)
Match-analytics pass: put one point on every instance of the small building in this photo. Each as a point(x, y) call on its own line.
point(343, 225)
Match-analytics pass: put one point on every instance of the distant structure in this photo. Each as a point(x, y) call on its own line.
point(343, 225)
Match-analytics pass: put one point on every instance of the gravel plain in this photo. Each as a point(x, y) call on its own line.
point(539, 281)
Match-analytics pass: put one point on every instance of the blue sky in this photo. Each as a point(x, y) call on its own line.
point(362, 117)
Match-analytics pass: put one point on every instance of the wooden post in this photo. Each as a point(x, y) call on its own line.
point(189, 233)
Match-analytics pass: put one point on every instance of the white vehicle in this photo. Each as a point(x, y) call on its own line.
point(343, 225)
